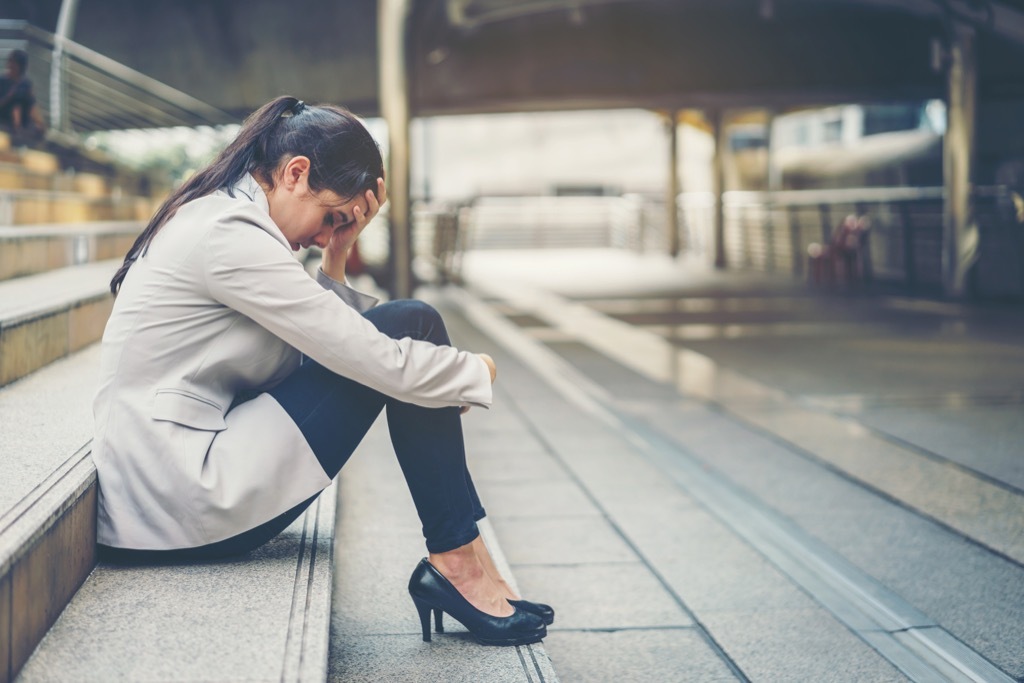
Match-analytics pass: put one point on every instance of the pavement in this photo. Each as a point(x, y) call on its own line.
point(729, 476)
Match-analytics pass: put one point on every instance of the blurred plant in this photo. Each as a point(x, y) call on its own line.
point(174, 153)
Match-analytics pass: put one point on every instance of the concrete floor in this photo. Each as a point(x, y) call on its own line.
point(884, 429)
point(716, 477)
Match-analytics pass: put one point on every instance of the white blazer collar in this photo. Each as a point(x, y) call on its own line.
point(248, 188)
point(251, 190)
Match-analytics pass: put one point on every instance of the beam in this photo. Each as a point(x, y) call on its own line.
point(991, 15)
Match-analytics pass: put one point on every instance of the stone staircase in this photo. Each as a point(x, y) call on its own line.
point(62, 236)
point(65, 617)
point(56, 255)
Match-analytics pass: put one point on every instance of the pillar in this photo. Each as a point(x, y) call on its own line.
point(718, 187)
point(773, 183)
point(959, 232)
point(672, 188)
point(393, 71)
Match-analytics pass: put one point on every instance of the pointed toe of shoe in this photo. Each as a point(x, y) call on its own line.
point(545, 612)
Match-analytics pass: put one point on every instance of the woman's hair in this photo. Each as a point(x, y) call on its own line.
point(344, 159)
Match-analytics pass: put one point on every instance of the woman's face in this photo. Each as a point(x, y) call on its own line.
point(308, 218)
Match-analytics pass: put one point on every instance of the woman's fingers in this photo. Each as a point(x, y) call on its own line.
point(374, 200)
point(345, 236)
point(491, 367)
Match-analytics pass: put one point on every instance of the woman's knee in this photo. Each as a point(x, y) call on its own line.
point(409, 318)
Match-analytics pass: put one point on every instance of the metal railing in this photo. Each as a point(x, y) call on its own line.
point(770, 232)
point(541, 222)
point(98, 93)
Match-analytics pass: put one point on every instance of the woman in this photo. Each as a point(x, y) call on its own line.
point(211, 436)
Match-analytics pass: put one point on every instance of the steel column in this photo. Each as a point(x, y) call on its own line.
point(392, 31)
point(773, 183)
point(60, 118)
point(960, 232)
point(718, 187)
point(672, 190)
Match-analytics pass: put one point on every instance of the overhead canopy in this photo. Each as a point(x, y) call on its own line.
point(514, 55)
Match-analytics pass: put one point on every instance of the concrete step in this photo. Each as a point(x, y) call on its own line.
point(264, 617)
point(32, 207)
point(47, 316)
point(47, 501)
point(14, 176)
point(41, 248)
point(39, 161)
point(375, 628)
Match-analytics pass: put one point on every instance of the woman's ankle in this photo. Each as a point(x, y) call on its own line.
point(487, 562)
point(460, 564)
point(463, 569)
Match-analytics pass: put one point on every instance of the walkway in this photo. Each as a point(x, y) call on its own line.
point(733, 478)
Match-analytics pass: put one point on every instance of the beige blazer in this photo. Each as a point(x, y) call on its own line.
point(218, 305)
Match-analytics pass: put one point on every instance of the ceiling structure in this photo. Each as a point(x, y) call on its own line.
point(516, 55)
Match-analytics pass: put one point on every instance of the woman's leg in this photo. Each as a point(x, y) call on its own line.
point(480, 547)
point(334, 413)
point(431, 452)
point(428, 444)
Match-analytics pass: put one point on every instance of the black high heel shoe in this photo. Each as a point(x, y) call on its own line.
point(430, 590)
point(545, 612)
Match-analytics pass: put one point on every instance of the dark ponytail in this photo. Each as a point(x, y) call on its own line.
point(343, 156)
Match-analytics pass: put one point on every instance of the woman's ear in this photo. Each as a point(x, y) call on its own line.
point(295, 171)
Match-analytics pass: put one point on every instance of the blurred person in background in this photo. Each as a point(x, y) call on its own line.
point(18, 111)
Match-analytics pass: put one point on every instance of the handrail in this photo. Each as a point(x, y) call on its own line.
point(851, 195)
point(101, 79)
point(845, 195)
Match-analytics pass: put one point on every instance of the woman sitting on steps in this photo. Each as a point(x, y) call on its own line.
point(212, 436)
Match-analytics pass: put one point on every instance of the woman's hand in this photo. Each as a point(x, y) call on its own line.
point(335, 254)
point(491, 367)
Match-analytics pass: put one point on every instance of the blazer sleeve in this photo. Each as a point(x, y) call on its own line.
point(353, 297)
point(249, 270)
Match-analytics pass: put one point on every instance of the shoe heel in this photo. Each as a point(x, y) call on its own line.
point(438, 626)
point(424, 612)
